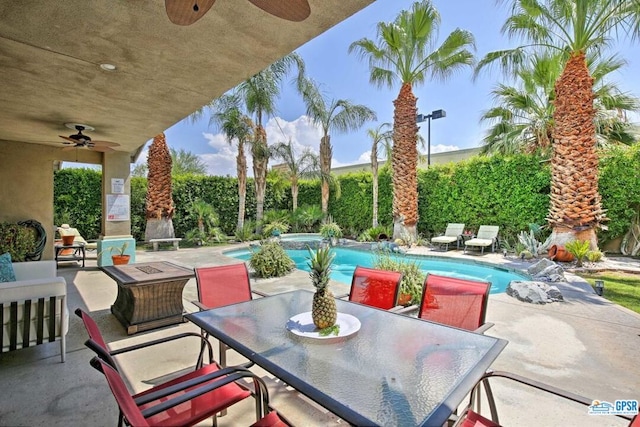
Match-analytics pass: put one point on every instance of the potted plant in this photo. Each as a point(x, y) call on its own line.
point(117, 254)
point(331, 231)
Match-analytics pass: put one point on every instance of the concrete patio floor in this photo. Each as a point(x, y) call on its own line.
point(586, 345)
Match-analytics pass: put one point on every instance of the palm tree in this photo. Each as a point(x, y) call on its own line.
point(575, 29)
point(297, 167)
point(259, 94)
point(159, 208)
point(237, 127)
point(337, 114)
point(185, 162)
point(406, 52)
point(380, 137)
point(523, 116)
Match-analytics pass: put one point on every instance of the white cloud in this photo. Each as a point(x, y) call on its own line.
point(222, 162)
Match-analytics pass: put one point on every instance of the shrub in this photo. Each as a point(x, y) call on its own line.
point(594, 256)
point(412, 276)
point(330, 229)
point(579, 249)
point(18, 240)
point(271, 260)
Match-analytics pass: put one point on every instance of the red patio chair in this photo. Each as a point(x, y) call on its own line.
point(223, 285)
point(96, 336)
point(188, 402)
point(471, 414)
point(375, 288)
point(455, 302)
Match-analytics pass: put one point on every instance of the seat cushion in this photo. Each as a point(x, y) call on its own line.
point(444, 239)
point(6, 268)
point(479, 242)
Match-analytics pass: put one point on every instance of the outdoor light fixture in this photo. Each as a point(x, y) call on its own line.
point(436, 114)
point(599, 287)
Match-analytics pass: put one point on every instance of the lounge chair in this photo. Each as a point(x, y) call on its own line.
point(453, 233)
point(487, 237)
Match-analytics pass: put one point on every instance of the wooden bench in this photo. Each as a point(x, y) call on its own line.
point(175, 241)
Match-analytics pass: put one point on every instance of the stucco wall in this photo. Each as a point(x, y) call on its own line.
point(26, 183)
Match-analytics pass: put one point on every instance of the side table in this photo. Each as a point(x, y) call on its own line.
point(72, 252)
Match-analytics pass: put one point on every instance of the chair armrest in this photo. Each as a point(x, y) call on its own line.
point(341, 296)
point(262, 294)
point(483, 328)
point(403, 310)
point(201, 306)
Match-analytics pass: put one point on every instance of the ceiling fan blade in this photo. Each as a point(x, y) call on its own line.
point(68, 140)
point(101, 149)
point(105, 143)
point(291, 10)
point(186, 12)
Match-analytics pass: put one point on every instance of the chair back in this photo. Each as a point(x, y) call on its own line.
point(92, 329)
point(455, 302)
point(223, 285)
point(375, 288)
point(130, 410)
point(488, 232)
point(454, 229)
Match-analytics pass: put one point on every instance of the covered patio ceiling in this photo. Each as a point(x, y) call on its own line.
point(51, 52)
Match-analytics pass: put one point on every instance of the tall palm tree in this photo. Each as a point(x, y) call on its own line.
point(406, 52)
point(226, 114)
point(338, 115)
point(574, 28)
point(159, 207)
point(306, 164)
point(381, 137)
point(523, 116)
point(259, 94)
point(185, 162)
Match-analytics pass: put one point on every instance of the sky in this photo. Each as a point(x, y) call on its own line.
point(345, 76)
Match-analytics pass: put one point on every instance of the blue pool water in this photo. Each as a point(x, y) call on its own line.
point(346, 261)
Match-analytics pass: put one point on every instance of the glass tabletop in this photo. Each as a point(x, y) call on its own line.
point(394, 370)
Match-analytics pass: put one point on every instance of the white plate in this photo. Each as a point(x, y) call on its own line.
point(302, 325)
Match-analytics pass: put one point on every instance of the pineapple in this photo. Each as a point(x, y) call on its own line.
point(323, 311)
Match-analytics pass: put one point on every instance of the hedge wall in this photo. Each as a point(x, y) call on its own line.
point(511, 192)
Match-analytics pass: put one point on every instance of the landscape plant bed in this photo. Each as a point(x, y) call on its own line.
point(620, 287)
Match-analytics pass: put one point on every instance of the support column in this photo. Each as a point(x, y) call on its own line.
point(116, 209)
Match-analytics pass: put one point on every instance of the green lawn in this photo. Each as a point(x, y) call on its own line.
point(621, 288)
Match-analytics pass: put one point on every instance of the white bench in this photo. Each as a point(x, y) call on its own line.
point(174, 240)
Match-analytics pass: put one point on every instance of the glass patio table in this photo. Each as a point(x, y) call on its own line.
point(393, 370)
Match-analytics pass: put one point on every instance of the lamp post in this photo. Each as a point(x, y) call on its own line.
point(435, 114)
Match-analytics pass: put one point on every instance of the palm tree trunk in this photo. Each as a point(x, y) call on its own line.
point(405, 162)
point(241, 162)
point(575, 210)
point(260, 163)
point(325, 169)
point(159, 207)
point(294, 192)
point(374, 171)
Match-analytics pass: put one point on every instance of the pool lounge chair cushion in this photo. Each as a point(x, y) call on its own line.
point(452, 234)
point(487, 236)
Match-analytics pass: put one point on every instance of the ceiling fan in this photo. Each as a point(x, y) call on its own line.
point(186, 12)
point(80, 140)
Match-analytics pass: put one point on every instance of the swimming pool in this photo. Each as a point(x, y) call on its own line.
point(346, 260)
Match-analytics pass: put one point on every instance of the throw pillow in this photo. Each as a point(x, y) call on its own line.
point(6, 268)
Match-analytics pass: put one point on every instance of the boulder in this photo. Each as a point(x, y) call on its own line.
point(553, 273)
point(534, 292)
point(540, 266)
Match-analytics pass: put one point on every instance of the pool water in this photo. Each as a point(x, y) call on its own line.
point(346, 261)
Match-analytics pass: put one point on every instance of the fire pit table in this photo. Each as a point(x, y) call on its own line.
point(149, 294)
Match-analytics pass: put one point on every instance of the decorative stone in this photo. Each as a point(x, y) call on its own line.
point(534, 292)
point(553, 273)
point(540, 266)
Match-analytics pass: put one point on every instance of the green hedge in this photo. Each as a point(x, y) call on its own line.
point(511, 192)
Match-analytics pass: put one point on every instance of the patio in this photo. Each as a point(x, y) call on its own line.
point(586, 345)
